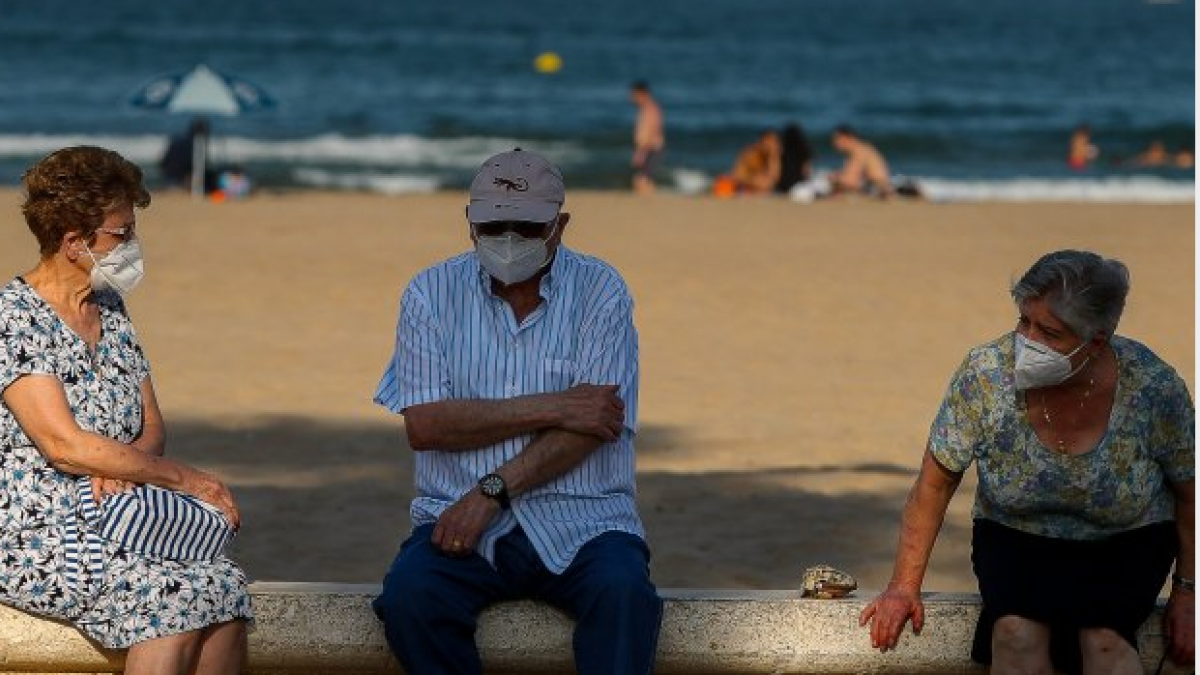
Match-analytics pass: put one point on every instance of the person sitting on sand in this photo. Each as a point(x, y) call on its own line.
point(1154, 155)
point(795, 158)
point(756, 170)
point(865, 171)
point(516, 371)
point(1185, 158)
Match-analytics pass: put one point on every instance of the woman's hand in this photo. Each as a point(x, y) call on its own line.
point(889, 612)
point(207, 488)
point(1179, 626)
point(102, 487)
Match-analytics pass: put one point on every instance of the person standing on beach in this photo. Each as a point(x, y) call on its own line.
point(179, 157)
point(865, 169)
point(516, 371)
point(649, 140)
point(1082, 152)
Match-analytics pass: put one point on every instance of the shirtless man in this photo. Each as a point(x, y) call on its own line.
point(1082, 151)
point(865, 170)
point(648, 138)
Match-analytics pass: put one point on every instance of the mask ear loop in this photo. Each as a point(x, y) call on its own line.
point(1083, 365)
point(88, 249)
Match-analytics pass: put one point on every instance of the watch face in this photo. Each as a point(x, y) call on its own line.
point(491, 485)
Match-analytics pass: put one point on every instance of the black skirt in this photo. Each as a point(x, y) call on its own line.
point(1069, 584)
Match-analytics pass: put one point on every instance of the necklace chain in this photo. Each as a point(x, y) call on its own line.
point(1062, 444)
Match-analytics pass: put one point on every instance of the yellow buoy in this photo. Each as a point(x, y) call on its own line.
point(547, 62)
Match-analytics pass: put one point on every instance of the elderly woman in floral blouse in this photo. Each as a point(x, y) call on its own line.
point(1084, 445)
point(76, 400)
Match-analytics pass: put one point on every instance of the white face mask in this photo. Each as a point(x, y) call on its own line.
point(120, 269)
point(1040, 366)
point(511, 258)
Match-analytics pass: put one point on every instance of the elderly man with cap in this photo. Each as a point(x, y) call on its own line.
point(516, 371)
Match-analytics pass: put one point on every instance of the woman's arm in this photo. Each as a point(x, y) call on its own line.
point(39, 405)
point(153, 438)
point(1180, 617)
point(924, 513)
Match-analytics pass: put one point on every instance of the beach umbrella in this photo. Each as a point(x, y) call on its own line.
point(200, 92)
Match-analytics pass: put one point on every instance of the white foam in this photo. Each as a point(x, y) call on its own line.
point(385, 183)
point(141, 149)
point(1140, 189)
point(409, 163)
point(399, 150)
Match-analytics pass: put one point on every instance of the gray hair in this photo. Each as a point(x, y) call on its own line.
point(1086, 292)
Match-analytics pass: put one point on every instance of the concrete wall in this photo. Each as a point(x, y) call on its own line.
point(320, 629)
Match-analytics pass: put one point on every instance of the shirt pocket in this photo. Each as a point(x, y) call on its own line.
point(554, 375)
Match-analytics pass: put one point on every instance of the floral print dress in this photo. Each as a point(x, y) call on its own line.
point(119, 598)
point(1121, 484)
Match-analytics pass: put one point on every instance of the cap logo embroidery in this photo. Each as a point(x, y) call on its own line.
point(520, 184)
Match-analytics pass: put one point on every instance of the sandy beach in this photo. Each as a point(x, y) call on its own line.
point(792, 359)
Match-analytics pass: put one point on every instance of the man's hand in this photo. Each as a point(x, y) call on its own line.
point(1179, 626)
point(889, 612)
point(592, 409)
point(459, 528)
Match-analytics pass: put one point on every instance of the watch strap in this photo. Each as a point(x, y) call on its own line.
point(1183, 583)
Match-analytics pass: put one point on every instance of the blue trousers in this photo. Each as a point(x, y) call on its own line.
point(430, 602)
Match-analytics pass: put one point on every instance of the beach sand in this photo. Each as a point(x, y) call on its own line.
point(792, 355)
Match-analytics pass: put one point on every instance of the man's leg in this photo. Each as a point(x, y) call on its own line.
point(430, 604)
point(616, 608)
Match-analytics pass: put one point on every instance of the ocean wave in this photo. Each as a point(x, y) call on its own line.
point(140, 149)
point(408, 163)
point(1139, 189)
point(1131, 189)
point(404, 150)
point(385, 183)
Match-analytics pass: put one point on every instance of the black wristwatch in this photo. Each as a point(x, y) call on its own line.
point(492, 485)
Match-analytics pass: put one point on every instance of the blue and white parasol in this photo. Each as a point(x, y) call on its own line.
point(201, 91)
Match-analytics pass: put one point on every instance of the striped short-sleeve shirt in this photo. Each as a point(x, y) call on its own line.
point(456, 340)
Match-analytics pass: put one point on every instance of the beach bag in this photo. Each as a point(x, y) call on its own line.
point(157, 522)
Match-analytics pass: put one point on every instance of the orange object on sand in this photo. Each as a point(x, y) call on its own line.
point(724, 187)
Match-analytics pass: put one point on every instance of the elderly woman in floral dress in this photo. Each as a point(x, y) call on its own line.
point(1084, 442)
point(76, 399)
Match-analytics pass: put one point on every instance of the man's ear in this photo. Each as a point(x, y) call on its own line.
point(563, 219)
point(470, 228)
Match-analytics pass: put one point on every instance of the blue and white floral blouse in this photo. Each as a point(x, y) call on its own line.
point(1121, 484)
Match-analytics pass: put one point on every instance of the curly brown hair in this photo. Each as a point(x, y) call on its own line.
point(75, 189)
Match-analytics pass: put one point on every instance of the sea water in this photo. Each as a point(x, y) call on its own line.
point(975, 100)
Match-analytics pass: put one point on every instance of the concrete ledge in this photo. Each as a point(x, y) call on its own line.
point(320, 629)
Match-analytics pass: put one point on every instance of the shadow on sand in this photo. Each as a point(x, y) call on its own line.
point(329, 502)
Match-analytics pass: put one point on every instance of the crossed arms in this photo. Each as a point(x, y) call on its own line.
point(444, 414)
point(568, 426)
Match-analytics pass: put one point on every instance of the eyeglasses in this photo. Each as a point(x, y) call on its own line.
point(522, 228)
point(122, 233)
